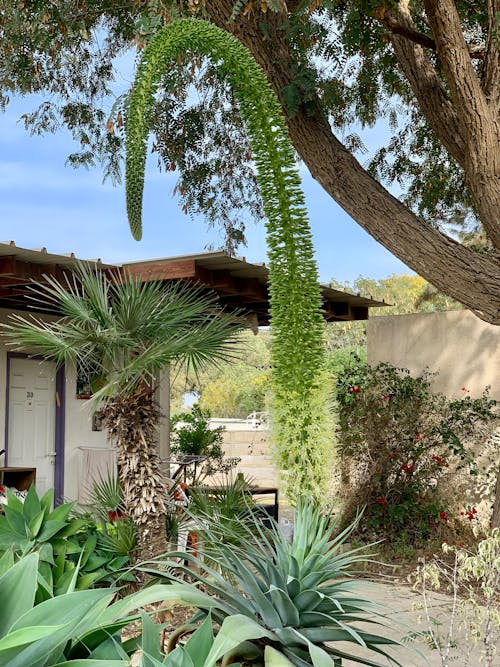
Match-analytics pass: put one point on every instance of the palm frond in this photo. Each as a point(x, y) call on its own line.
point(125, 328)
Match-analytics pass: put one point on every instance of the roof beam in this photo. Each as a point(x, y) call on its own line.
point(20, 272)
point(183, 269)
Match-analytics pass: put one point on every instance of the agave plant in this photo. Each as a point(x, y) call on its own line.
point(83, 628)
point(68, 546)
point(301, 593)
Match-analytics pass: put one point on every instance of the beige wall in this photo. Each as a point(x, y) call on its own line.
point(461, 347)
point(252, 447)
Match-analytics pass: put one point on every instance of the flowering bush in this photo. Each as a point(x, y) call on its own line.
point(402, 446)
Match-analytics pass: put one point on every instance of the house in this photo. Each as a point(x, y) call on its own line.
point(47, 422)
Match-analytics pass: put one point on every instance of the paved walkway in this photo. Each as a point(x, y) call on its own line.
point(403, 611)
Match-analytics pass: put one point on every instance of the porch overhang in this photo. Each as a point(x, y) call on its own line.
point(238, 283)
point(241, 284)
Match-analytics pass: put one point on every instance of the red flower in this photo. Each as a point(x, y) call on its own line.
point(440, 461)
point(470, 514)
point(443, 516)
point(464, 389)
point(354, 390)
point(115, 515)
point(386, 397)
point(382, 501)
point(408, 469)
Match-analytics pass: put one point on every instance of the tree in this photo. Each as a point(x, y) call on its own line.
point(235, 388)
point(237, 392)
point(129, 331)
point(301, 420)
point(431, 67)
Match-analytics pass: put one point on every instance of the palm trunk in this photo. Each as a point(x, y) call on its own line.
point(132, 421)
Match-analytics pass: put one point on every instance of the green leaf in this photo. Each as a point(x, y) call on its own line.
point(75, 526)
point(199, 644)
point(235, 630)
point(17, 592)
point(319, 657)
point(46, 501)
point(180, 593)
point(13, 501)
point(71, 606)
point(178, 658)
point(35, 524)
point(80, 610)
point(284, 606)
point(109, 649)
point(94, 562)
point(49, 529)
point(16, 521)
point(90, 642)
point(26, 636)
point(273, 658)
point(31, 505)
point(150, 642)
point(90, 662)
point(6, 561)
point(62, 512)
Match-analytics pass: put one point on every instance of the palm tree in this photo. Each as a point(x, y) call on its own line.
point(128, 331)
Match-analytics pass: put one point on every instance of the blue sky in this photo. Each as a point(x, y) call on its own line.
point(44, 203)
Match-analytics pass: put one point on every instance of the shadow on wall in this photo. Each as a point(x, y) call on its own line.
point(463, 349)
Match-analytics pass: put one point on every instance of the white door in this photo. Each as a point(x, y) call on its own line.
point(31, 415)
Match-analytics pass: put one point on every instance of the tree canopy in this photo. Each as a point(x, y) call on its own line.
point(432, 70)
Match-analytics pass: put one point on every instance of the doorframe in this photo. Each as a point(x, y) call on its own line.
point(60, 418)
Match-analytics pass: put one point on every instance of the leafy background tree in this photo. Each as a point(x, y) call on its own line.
point(342, 66)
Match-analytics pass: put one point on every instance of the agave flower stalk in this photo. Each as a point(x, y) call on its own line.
point(301, 419)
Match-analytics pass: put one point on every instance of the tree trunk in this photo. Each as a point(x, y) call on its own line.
point(132, 423)
point(471, 278)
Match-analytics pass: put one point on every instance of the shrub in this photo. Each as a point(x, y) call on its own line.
point(401, 446)
point(191, 435)
point(116, 532)
point(472, 579)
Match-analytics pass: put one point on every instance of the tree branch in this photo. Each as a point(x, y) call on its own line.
point(479, 121)
point(491, 68)
point(396, 27)
point(464, 85)
point(470, 277)
point(429, 90)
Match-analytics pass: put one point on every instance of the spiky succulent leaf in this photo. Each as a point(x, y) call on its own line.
point(269, 580)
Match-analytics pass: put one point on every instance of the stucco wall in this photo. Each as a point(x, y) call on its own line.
point(461, 347)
